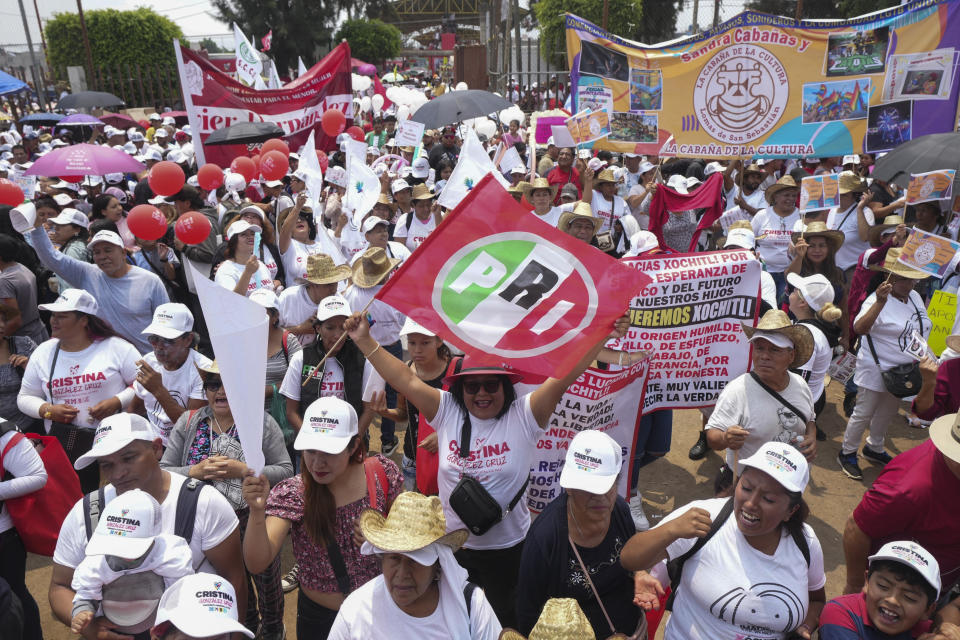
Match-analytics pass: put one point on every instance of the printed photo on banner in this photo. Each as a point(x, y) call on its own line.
point(836, 100)
point(646, 89)
point(853, 54)
point(919, 76)
point(588, 126)
point(933, 185)
point(596, 97)
point(597, 60)
point(888, 125)
point(928, 253)
point(820, 192)
point(634, 127)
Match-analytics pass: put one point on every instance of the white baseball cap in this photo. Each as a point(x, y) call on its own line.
point(678, 183)
point(154, 116)
point(328, 425)
point(114, 178)
point(265, 298)
point(106, 236)
point(776, 339)
point(155, 200)
point(160, 133)
point(239, 226)
point(273, 183)
point(73, 300)
point(136, 136)
point(127, 526)
point(169, 120)
point(170, 320)
point(333, 306)
point(911, 554)
point(201, 605)
point(253, 209)
point(816, 289)
point(592, 462)
point(114, 433)
point(632, 155)
point(373, 151)
point(421, 167)
point(373, 221)
point(743, 238)
point(63, 184)
point(63, 199)
point(71, 216)
point(411, 326)
point(782, 462)
point(300, 174)
point(399, 185)
point(712, 167)
point(151, 154)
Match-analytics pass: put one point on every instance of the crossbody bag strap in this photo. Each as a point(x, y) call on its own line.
point(519, 495)
point(873, 351)
point(779, 397)
point(849, 211)
point(339, 567)
point(917, 309)
point(53, 367)
point(586, 574)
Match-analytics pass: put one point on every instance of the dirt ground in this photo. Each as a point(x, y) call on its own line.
point(666, 484)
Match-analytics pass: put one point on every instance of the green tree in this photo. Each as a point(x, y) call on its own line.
point(141, 36)
point(819, 9)
point(659, 21)
point(371, 40)
point(624, 19)
point(211, 46)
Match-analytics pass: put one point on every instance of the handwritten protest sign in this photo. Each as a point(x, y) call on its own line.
point(409, 133)
point(929, 253)
point(820, 192)
point(942, 313)
point(932, 185)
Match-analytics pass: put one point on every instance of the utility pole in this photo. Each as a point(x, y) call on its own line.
point(799, 10)
point(37, 84)
point(43, 40)
point(696, 8)
point(606, 13)
point(515, 10)
point(716, 13)
point(86, 45)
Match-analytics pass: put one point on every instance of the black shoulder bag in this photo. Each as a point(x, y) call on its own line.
point(903, 380)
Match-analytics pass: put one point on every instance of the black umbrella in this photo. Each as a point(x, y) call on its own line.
point(244, 133)
point(89, 100)
point(455, 106)
point(927, 153)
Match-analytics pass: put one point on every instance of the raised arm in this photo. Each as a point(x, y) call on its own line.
point(286, 231)
point(70, 269)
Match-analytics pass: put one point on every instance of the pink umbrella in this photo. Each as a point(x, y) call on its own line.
point(84, 160)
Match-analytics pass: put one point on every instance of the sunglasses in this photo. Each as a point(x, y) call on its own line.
point(473, 387)
point(167, 342)
point(212, 384)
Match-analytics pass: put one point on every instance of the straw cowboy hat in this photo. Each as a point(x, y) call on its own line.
point(211, 369)
point(372, 267)
point(605, 176)
point(421, 192)
point(945, 433)
point(540, 183)
point(581, 211)
point(875, 234)
point(776, 322)
point(786, 182)
point(283, 214)
point(819, 229)
point(561, 619)
point(322, 270)
point(387, 200)
point(852, 183)
point(753, 168)
point(891, 264)
point(415, 521)
point(739, 224)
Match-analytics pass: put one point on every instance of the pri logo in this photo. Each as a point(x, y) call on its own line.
point(513, 296)
point(739, 98)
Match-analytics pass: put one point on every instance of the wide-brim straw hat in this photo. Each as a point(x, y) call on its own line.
point(874, 235)
point(820, 229)
point(605, 176)
point(775, 321)
point(581, 211)
point(753, 168)
point(211, 369)
point(852, 183)
point(415, 521)
point(561, 619)
point(387, 200)
point(945, 433)
point(373, 266)
point(891, 264)
point(321, 269)
point(786, 182)
point(421, 192)
point(540, 183)
point(283, 214)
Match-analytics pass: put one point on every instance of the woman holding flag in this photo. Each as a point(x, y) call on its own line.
point(487, 439)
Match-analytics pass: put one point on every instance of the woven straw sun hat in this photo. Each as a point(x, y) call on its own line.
point(415, 521)
point(776, 323)
point(786, 182)
point(820, 229)
point(852, 183)
point(561, 619)
point(321, 269)
point(581, 211)
point(540, 183)
point(891, 264)
point(875, 234)
point(421, 192)
point(606, 175)
point(372, 267)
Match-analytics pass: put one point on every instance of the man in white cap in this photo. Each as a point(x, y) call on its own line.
point(128, 451)
point(203, 605)
point(155, 122)
point(127, 295)
point(549, 159)
point(168, 381)
point(298, 304)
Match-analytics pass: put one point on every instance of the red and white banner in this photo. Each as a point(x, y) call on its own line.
point(510, 289)
point(214, 100)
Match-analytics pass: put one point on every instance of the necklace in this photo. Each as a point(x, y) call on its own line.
point(220, 429)
point(575, 522)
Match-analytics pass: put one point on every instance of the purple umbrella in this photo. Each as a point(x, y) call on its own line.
point(84, 160)
point(80, 120)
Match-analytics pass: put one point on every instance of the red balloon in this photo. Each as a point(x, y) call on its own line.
point(356, 133)
point(333, 122)
point(245, 167)
point(144, 124)
point(10, 193)
point(192, 228)
point(147, 222)
point(72, 179)
point(256, 164)
point(323, 160)
point(166, 178)
point(275, 144)
point(210, 176)
point(274, 165)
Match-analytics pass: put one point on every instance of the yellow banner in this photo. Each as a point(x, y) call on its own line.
point(761, 85)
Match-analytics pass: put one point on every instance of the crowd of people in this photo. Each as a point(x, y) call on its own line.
point(108, 351)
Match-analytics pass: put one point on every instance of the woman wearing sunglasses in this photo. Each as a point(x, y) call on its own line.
point(482, 412)
point(204, 444)
point(297, 239)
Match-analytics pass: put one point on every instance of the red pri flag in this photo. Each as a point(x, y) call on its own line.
point(266, 40)
point(510, 289)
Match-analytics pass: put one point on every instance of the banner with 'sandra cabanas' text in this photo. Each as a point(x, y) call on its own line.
point(769, 86)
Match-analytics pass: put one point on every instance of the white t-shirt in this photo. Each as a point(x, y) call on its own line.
point(757, 200)
point(551, 217)
point(852, 246)
point(777, 230)
point(352, 241)
point(229, 272)
point(295, 259)
point(768, 289)
point(819, 362)
point(394, 250)
point(891, 333)
point(641, 212)
point(333, 380)
point(81, 378)
point(607, 210)
point(26, 467)
point(184, 385)
point(370, 612)
point(214, 524)
point(295, 307)
point(500, 457)
point(418, 232)
point(744, 402)
point(731, 591)
point(387, 321)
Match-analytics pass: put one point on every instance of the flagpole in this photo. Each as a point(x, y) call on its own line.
point(343, 336)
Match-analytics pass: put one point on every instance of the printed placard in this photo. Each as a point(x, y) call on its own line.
point(928, 252)
point(942, 313)
point(595, 97)
point(919, 76)
point(842, 367)
point(932, 185)
point(409, 133)
point(820, 192)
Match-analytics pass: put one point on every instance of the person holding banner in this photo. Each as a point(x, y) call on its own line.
point(482, 406)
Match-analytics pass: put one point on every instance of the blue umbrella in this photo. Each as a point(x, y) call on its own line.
point(43, 118)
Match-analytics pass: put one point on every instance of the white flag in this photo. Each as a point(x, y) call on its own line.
point(274, 81)
point(301, 68)
point(473, 164)
point(259, 85)
point(310, 164)
point(249, 65)
point(363, 188)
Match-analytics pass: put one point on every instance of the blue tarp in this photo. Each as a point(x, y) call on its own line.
point(9, 84)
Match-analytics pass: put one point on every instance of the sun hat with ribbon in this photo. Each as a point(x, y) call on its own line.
point(581, 211)
point(776, 327)
point(561, 619)
point(877, 231)
point(372, 267)
point(892, 264)
point(945, 433)
point(540, 183)
point(471, 367)
point(321, 269)
point(786, 182)
point(415, 521)
point(820, 229)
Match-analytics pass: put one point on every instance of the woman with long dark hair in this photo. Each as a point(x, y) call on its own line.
point(109, 208)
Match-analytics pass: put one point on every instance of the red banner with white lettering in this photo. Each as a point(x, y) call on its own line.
point(214, 100)
point(511, 289)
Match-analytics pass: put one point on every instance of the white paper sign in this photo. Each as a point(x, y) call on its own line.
point(409, 133)
point(561, 136)
point(511, 158)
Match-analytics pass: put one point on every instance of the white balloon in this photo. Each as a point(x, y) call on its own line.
point(377, 101)
point(365, 103)
point(365, 83)
point(487, 128)
point(403, 112)
point(394, 94)
point(461, 86)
